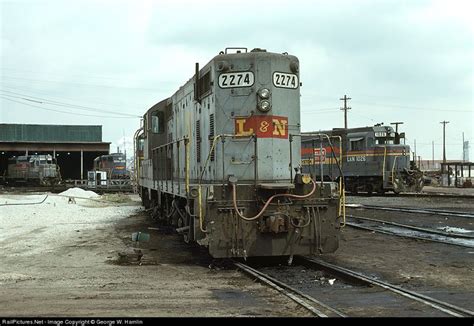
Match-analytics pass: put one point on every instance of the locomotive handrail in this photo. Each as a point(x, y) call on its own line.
point(235, 48)
point(234, 199)
point(166, 172)
point(393, 167)
point(383, 166)
point(342, 193)
point(338, 163)
point(170, 143)
point(136, 164)
point(214, 142)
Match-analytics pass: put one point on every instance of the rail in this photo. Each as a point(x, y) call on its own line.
point(445, 307)
point(397, 229)
point(304, 300)
point(414, 210)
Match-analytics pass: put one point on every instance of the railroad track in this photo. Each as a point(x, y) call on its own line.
point(391, 292)
point(442, 306)
point(311, 304)
point(418, 195)
point(410, 231)
point(414, 210)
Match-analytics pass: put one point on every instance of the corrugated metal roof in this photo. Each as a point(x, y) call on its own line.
point(50, 133)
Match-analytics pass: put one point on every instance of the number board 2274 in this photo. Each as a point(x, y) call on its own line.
point(236, 79)
point(281, 79)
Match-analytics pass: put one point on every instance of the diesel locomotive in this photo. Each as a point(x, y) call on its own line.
point(114, 164)
point(220, 160)
point(369, 159)
point(32, 170)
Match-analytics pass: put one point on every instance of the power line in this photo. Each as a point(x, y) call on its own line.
point(394, 105)
point(317, 111)
point(364, 116)
point(79, 84)
point(41, 92)
point(57, 103)
point(413, 107)
point(76, 114)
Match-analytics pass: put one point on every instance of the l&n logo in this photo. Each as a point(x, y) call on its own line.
point(267, 126)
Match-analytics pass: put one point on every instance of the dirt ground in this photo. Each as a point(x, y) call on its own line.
point(96, 273)
point(86, 276)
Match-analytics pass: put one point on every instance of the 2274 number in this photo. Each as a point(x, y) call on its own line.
point(281, 79)
point(236, 79)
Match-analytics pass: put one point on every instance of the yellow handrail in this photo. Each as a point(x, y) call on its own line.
point(342, 193)
point(383, 166)
point(393, 167)
point(201, 219)
point(342, 190)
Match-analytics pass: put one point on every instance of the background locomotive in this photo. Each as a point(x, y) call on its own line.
point(372, 159)
point(32, 169)
point(220, 158)
point(114, 164)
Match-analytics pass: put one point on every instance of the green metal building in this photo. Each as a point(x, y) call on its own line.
point(50, 133)
point(73, 146)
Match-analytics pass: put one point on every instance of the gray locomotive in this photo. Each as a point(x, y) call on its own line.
point(371, 159)
point(32, 170)
point(220, 159)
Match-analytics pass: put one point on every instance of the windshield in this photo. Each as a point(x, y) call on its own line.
point(384, 141)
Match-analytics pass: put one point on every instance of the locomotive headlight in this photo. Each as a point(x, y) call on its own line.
point(264, 106)
point(264, 93)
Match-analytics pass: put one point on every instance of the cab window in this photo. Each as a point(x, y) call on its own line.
point(157, 122)
point(357, 144)
point(370, 142)
point(384, 141)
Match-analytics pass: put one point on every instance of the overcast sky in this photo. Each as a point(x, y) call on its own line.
point(84, 62)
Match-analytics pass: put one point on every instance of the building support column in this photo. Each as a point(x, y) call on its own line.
point(82, 164)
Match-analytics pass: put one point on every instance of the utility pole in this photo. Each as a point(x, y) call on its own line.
point(432, 152)
point(345, 108)
point(463, 149)
point(396, 125)
point(444, 140)
point(414, 157)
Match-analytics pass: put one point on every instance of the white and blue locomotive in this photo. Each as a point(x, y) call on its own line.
point(220, 160)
